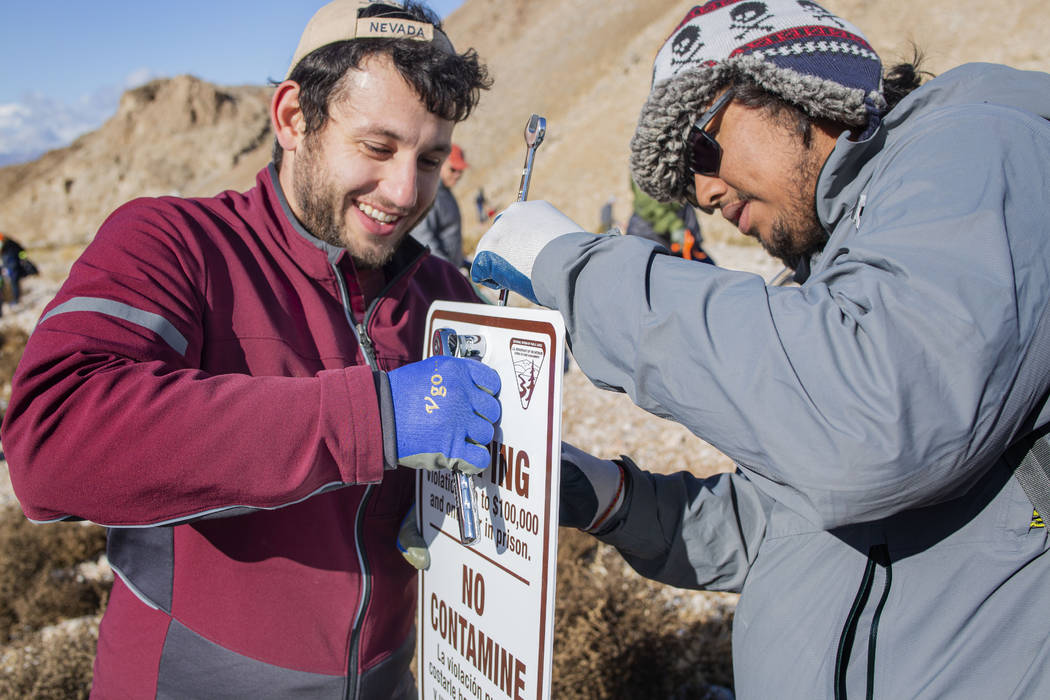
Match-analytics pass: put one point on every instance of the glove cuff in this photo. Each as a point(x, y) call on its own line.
point(594, 491)
point(385, 399)
point(606, 516)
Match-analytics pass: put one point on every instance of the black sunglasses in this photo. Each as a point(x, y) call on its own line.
point(705, 155)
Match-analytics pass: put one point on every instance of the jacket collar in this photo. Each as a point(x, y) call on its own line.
point(844, 176)
point(851, 164)
point(330, 251)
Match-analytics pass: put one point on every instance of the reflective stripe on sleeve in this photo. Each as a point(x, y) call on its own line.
point(144, 319)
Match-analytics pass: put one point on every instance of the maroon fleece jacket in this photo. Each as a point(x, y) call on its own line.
point(199, 386)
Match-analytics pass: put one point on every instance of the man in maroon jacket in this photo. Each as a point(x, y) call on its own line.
point(229, 385)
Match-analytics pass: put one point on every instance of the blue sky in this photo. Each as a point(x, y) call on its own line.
point(65, 63)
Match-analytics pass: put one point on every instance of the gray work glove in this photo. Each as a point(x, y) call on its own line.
point(505, 254)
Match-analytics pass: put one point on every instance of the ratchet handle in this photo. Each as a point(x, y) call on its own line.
point(466, 513)
point(447, 342)
point(535, 130)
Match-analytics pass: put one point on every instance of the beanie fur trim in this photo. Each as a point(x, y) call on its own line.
point(658, 158)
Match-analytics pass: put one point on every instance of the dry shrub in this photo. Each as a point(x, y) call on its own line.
point(618, 635)
point(39, 585)
point(51, 665)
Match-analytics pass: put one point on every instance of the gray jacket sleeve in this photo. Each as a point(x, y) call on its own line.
point(707, 531)
point(880, 384)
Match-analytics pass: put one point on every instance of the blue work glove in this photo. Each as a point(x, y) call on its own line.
point(506, 253)
point(410, 542)
point(593, 491)
point(445, 412)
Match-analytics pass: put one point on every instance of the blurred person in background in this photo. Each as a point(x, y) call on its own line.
point(16, 265)
point(481, 204)
point(673, 225)
point(440, 230)
point(885, 525)
point(230, 384)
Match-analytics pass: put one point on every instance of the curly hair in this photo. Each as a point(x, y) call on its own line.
point(449, 84)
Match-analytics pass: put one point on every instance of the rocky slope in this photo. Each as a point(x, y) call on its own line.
point(585, 65)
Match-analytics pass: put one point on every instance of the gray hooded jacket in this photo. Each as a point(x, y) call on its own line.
point(874, 531)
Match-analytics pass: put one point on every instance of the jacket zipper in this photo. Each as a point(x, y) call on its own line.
point(368, 352)
point(878, 555)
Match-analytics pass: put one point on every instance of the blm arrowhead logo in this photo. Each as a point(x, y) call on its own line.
point(527, 357)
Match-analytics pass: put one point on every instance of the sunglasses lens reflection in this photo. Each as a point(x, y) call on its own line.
point(706, 153)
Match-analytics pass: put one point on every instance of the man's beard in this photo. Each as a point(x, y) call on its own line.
point(797, 233)
point(322, 211)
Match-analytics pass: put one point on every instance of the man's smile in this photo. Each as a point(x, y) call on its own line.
point(380, 216)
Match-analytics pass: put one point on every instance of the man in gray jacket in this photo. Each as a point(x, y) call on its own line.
point(874, 527)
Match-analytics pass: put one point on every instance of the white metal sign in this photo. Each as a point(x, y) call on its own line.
point(486, 611)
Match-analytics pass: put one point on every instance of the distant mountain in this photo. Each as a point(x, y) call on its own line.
point(172, 136)
point(38, 124)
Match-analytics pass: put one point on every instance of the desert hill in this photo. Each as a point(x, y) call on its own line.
point(177, 136)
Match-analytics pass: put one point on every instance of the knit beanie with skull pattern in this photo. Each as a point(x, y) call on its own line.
point(794, 49)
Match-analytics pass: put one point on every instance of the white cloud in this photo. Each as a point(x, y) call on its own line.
point(39, 123)
point(140, 76)
point(12, 111)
